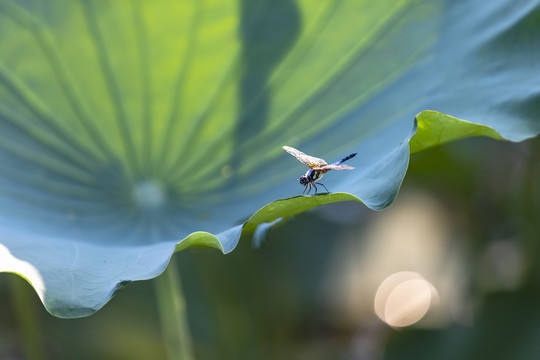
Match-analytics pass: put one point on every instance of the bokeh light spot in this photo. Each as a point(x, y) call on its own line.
point(404, 298)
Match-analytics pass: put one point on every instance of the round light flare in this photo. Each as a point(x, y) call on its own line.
point(404, 298)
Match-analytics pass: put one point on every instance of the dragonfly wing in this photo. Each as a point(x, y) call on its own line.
point(336, 167)
point(310, 161)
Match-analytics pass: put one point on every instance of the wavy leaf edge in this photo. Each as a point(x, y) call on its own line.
point(431, 128)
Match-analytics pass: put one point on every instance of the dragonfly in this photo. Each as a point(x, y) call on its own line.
point(318, 167)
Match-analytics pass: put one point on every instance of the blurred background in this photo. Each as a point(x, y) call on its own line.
point(448, 271)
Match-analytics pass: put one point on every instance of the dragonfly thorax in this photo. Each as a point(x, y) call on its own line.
point(310, 177)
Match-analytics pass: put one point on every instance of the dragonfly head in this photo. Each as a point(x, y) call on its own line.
point(304, 180)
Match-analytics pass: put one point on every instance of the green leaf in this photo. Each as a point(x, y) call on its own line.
point(435, 128)
point(130, 130)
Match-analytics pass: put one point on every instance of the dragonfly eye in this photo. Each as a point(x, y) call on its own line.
point(304, 180)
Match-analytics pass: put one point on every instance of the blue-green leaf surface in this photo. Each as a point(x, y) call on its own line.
point(130, 130)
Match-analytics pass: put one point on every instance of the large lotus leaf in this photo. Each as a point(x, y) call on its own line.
point(131, 129)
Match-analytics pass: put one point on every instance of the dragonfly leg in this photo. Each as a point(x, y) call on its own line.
point(324, 187)
point(315, 186)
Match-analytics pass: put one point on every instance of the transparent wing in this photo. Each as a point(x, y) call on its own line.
point(336, 167)
point(310, 161)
